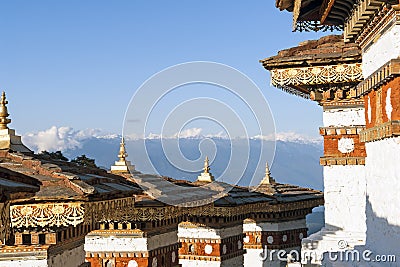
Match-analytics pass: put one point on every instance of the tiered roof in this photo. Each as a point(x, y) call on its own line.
point(56, 180)
point(350, 15)
point(316, 65)
point(328, 50)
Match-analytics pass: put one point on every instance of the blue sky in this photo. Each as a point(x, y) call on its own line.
point(78, 63)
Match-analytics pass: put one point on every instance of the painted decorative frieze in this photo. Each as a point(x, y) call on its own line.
point(328, 74)
point(47, 215)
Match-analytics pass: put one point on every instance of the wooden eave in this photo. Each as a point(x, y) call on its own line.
point(328, 50)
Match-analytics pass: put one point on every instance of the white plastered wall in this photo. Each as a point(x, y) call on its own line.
point(383, 187)
point(344, 117)
point(208, 232)
point(380, 52)
point(345, 195)
point(100, 243)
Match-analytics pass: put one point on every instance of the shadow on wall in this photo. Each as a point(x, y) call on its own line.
point(383, 238)
point(381, 248)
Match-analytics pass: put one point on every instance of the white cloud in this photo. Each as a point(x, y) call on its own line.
point(58, 138)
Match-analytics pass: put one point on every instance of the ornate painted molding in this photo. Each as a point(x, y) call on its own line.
point(388, 129)
point(314, 26)
point(109, 210)
point(380, 22)
point(384, 74)
point(274, 239)
point(348, 102)
point(361, 15)
point(123, 210)
point(47, 215)
point(318, 75)
point(168, 212)
point(72, 213)
point(340, 130)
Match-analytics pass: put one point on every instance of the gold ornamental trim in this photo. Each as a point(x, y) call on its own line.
point(45, 215)
point(169, 212)
point(317, 75)
point(107, 210)
point(123, 210)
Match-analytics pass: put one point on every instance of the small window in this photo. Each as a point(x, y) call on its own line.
point(162, 261)
point(42, 239)
point(26, 239)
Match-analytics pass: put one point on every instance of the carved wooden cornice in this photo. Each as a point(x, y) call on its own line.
point(383, 75)
point(349, 101)
point(74, 213)
point(388, 129)
point(328, 161)
point(361, 15)
point(294, 79)
point(381, 21)
point(340, 130)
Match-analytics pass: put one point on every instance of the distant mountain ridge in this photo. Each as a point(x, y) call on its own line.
point(294, 163)
point(296, 158)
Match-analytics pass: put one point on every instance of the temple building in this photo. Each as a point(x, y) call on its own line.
point(355, 78)
point(57, 213)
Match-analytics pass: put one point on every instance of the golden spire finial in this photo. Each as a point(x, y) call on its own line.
point(267, 177)
point(122, 154)
point(3, 112)
point(206, 165)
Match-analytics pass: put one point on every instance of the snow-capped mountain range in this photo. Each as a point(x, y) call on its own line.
point(296, 159)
